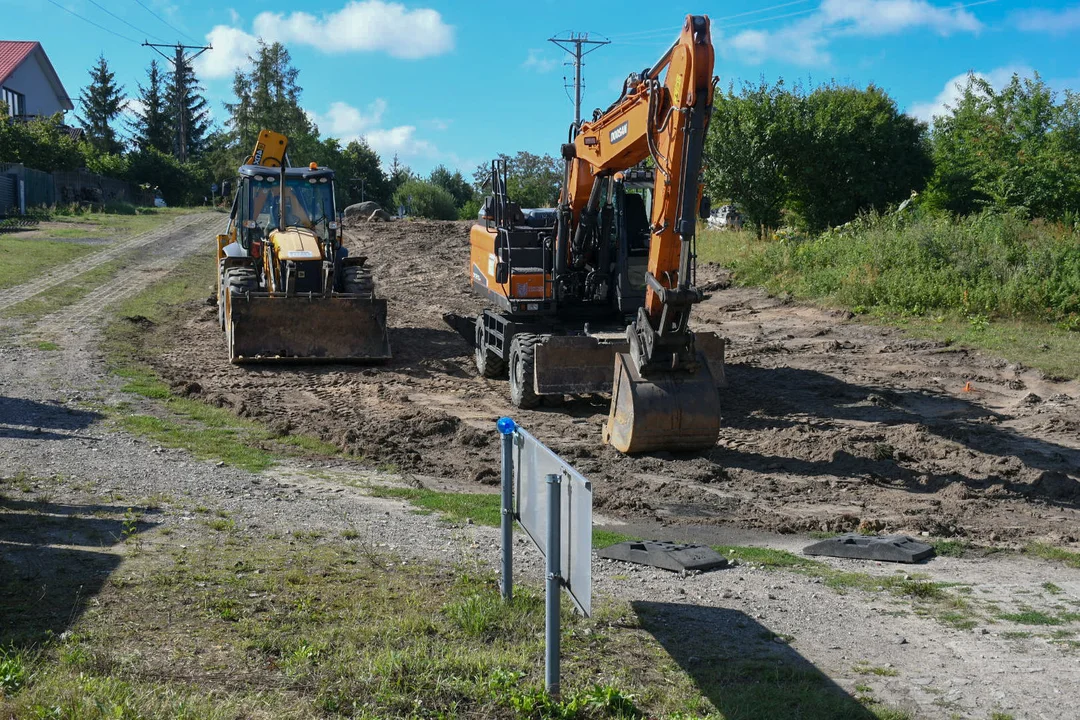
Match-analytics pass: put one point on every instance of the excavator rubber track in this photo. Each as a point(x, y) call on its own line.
point(274, 327)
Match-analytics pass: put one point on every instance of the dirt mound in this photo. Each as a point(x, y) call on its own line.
point(827, 425)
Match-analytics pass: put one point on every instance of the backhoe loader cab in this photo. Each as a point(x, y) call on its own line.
point(287, 289)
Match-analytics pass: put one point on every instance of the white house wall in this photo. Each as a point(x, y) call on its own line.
point(32, 80)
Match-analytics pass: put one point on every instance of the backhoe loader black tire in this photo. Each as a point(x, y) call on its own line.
point(488, 364)
point(357, 280)
point(523, 371)
point(237, 281)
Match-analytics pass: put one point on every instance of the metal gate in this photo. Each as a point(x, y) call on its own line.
point(9, 198)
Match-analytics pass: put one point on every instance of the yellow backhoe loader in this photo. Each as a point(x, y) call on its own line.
point(287, 288)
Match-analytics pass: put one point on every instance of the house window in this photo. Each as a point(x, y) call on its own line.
point(16, 102)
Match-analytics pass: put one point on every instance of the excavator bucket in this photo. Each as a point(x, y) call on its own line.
point(273, 327)
point(666, 411)
point(575, 365)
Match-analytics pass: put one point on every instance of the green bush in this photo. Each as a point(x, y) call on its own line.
point(988, 264)
point(423, 199)
point(469, 210)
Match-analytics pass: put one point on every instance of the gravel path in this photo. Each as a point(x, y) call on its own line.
point(71, 455)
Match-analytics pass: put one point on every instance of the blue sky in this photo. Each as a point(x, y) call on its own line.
point(455, 82)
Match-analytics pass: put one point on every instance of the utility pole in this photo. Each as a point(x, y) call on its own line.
point(361, 181)
point(180, 62)
point(577, 40)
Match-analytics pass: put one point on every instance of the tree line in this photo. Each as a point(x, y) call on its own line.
point(784, 155)
point(818, 159)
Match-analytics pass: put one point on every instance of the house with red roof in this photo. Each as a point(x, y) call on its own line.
point(29, 85)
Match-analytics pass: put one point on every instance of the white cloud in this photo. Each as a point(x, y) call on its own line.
point(440, 123)
point(954, 89)
point(1048, 21)
point(133, 108)
point(364, 26)
point(805, 42)
point(231, 47)
point(344, 121)
point(401, 141)
point(888, 17)
point(347, 123)
point(536, 60)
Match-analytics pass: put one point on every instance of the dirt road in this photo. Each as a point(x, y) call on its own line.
point(827, 424)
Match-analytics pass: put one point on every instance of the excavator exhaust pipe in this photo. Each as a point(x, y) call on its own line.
point(677, 411)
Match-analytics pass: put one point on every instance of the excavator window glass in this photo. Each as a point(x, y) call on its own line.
point(265, 199)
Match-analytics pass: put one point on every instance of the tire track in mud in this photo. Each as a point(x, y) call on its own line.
point(65, 273)
point(175, 243)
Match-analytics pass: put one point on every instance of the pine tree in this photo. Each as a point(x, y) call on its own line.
point(187, 105)
point(101, 101)
point(152, 125)
point(268, 96)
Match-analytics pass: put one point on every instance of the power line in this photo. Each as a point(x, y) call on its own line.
point(665, 31)
point(164, 21)
point(577, 40)
point(180, 62)
point(138, 30)
point(100, 27)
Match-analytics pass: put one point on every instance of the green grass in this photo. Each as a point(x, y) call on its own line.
point(769, 558)
point(42, 304)
point(994, 282)
point(45, 345)
point(1031, 617)
point(208, 432)
point(251, 627)
point(26, 259)
point(1055, 554)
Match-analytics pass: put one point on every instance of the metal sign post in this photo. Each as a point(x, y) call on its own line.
point(553, 503)
point(506, 428)
point(552, 598)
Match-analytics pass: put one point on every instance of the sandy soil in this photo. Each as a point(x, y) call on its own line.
point(827, 424)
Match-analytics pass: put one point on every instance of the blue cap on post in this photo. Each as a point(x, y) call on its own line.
point(506, 425)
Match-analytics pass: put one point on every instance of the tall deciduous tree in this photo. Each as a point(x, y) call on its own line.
point(360, 175)
point(151, 125)
point(101, 102)
point(749, 150)
point(855, 151)
point(1017, 148)
point(531, 180)
point(454, 183)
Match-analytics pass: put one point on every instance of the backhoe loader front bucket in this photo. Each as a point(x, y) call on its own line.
point(274, 327)
point(666, 411)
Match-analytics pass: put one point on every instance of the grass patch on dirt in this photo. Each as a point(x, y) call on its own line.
point(182, 422)
point(26, 259)
point(239, 626)
point(993, 282)
point(1055, 554)
point(480, 508)
point(50, 301)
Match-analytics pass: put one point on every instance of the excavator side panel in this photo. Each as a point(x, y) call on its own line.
point(274, 327)
point(671, 411)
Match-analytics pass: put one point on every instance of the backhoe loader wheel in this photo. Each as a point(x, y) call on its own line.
point(488, 363)
point(357, 280)
point(522, 371)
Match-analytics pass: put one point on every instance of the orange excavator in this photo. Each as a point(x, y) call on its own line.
point(595, 295)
